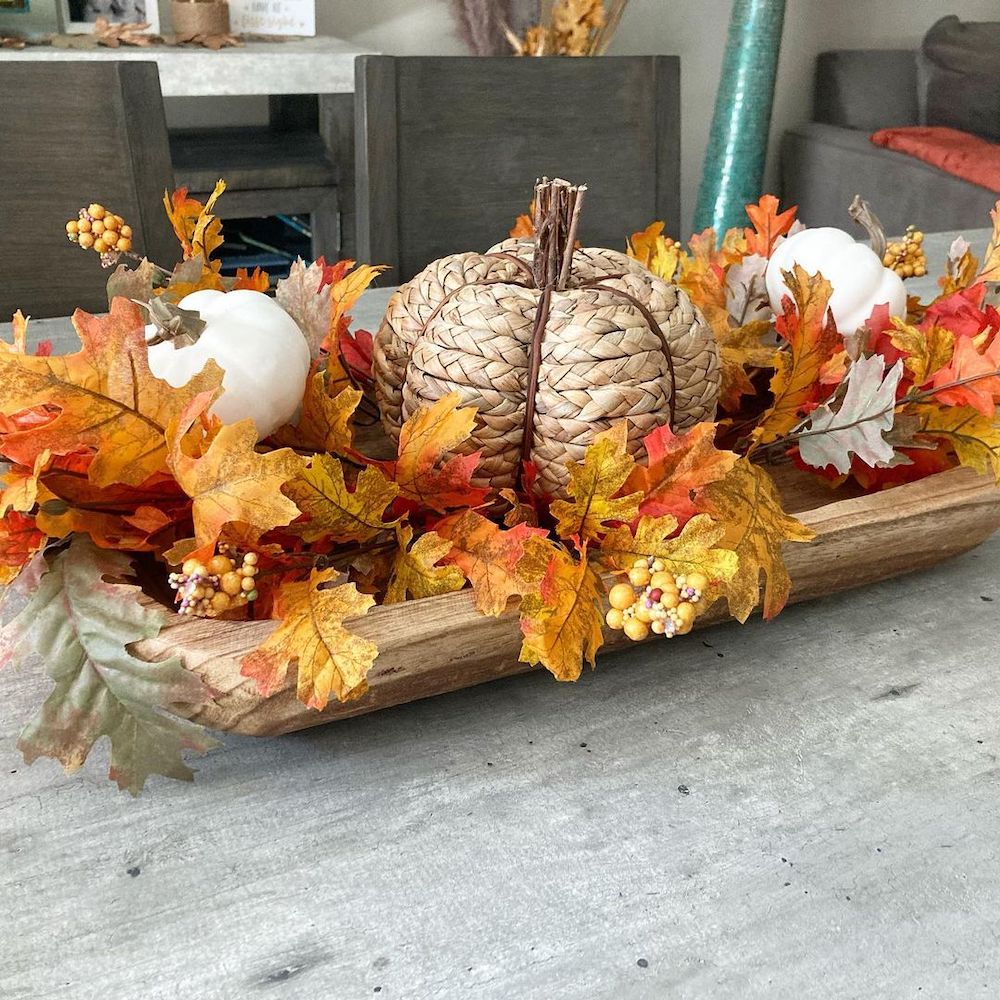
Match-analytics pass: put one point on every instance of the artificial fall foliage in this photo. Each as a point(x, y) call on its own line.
point(115, 477)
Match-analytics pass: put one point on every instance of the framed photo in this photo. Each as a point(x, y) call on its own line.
point(31, 17)
point(80, 15)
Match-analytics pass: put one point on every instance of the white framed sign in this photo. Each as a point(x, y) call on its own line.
point(272, 17)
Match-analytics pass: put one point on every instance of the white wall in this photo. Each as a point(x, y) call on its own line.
point(693, 29)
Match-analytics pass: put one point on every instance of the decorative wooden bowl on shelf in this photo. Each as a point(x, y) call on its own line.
point(441, 644)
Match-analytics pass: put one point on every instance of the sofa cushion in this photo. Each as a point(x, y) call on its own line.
point(850, 88)
point(823, 167)
point(957, 153)
point(961, 76)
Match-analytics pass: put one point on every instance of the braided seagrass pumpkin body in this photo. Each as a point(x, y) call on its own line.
point(615, 342)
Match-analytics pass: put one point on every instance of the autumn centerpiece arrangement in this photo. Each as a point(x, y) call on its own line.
point(584, 439)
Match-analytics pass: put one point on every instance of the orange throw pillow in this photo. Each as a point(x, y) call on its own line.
point(958, 153)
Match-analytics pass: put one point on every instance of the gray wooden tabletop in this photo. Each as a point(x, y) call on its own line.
point(801, 809)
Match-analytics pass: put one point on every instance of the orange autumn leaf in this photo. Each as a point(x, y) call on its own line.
point(982, 368)
point(808, 327)
point(768, 225)
point(259, 281)
point(678, 467)
point(748, 507)
point(231, 480)
point(197, 229)
point(312, 636)
point(345, 289)
point(423, 469)
point(108, 399)
point(20, 539)
point(127, 532)
point(524, 225)
point(562, 621)
point(326, 420)
point(499, 563)
point(416, 571)
point(593, 485)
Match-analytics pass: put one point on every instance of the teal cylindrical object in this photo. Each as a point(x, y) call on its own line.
point(737, 145)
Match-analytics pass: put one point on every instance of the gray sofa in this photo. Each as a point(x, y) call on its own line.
point(825, 162)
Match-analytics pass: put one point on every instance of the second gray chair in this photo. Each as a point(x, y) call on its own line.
point(448, 149)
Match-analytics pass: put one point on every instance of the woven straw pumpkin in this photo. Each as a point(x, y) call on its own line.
point(551, 344)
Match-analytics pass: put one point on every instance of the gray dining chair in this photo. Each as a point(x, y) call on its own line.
point(72, 133)
point(448, 149)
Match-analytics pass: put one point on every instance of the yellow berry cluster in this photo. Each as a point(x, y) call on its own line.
point(655, 600)
point(906, 256)
point(226, 582)
point(100, 230)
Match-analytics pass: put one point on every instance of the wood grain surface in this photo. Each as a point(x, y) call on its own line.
point(442, 644)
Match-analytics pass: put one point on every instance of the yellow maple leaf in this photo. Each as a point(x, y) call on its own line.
point(321, 492)
point(231, 481)
point(747, 505)
point(107, 398)
point(425, 469)
point(974, 438)
point(593, 484)
point(926, 350)
point(345, 290)
point(656, 252)
point(21, 486)
point(693, 550)
point(990, 271)
point(330, 658)
point(500, 564)
point(808, 327)
point(415, 571)
point(741, 347)
point(326, 421)
point(561, 621)
point(197, 229)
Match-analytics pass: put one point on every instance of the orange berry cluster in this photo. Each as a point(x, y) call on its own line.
point(100, 230)
point(655, 600)
point(225, 583)
point(906, 256)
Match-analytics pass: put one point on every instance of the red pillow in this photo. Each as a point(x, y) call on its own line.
point(958, 153)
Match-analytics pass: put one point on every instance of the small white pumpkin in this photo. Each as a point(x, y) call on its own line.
point(258, 345)
point(859, 280)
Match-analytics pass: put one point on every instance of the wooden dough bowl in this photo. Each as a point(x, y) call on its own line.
point(443, 644)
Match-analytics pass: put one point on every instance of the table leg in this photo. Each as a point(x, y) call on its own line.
point(336, 126)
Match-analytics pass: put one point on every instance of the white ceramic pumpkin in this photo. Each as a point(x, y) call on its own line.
point(860, 281)
point(258, 345)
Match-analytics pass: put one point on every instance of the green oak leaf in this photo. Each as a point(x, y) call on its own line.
point(80, 625)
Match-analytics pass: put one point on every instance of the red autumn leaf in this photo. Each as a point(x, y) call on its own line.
point(768, 225)
point(677, 468)
point(356, 353)
point(983, 392)
point(20, 539)
point(962, 312)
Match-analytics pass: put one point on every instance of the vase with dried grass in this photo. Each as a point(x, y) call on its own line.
point(538, 27)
